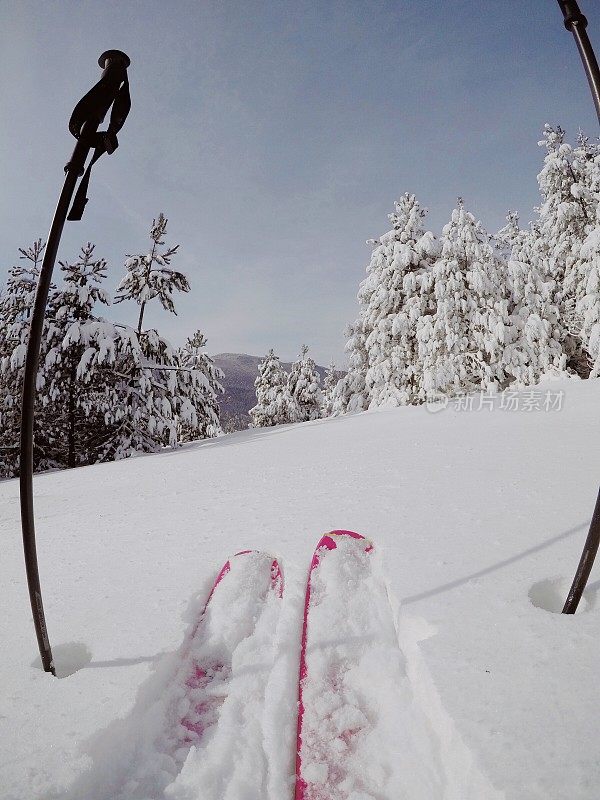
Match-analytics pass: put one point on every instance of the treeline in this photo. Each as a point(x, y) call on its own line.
point(474, 312)
point(470, 311)
point(296, 396)
point(106, 390)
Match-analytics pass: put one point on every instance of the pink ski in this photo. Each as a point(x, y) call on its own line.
point(241, 590)
point(315, 776)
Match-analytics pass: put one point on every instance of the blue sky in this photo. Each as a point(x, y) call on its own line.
point(275, 136)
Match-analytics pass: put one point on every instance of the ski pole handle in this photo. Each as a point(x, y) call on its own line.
point(113, 57)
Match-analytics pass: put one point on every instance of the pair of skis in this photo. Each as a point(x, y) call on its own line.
point(346, 612)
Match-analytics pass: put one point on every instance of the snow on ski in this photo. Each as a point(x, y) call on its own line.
point(215, 638)
point(223, 678)
point(350, 668)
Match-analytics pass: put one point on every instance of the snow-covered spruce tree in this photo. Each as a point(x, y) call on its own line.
point(273, 399)
point(589, 303)
point(461, 342)
point(584, 284)
point(532, 343)
point(350, 394)
point(566, 217)
point(390, 303)
point(142, 417)
point(197, 389)
point(382, 345)
point(16, 304)
point(330, 382)
point(79, 350)
point(303, 385)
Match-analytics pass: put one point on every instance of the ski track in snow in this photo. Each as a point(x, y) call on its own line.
point(191, 737)
point(373, 727)
point(367, 737)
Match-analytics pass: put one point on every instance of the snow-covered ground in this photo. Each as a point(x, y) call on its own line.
point(478, 516)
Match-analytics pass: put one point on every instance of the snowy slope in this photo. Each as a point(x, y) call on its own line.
point(474, 514)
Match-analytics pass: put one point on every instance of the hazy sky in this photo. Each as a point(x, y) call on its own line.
point(275, 136)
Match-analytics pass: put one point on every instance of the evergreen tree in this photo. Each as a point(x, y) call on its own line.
point(273, 399)
point(461, 342)
point(16, 305)
point(382, 344)
point(79, 347)
point(303, 385)
point(149, 276)
point(197, 389)
point(533, 348)
point(144, 417)
point(566, 216)
point(330, 382)
point(583, 284)
point(390, 303)
point(589, 304)
point(350, 394)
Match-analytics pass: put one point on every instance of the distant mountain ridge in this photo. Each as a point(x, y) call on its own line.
point(240, 370)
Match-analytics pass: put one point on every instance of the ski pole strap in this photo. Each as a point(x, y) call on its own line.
point(111, 91)
point(79, 203)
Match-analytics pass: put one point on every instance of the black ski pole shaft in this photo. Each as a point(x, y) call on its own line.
point(28, 407)
point(586, 562)
point(84, 126)
point(577, 24)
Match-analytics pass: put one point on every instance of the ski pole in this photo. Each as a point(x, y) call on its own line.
point(577, 24)
point(112, 90)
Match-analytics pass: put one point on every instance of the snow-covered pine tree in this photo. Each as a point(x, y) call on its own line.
point(589, 303)
point(583, 285)
point(16, 304)
point(76, 383)
point(144, 417)
point(149, 276)
point(330, 382)
point(566, 217)
point(461, 342)
point(390, 302)
point(197, 389)
point(382, 344)
point(272, 394)
point(303, 384)
point(532, 344)
point(350, 394)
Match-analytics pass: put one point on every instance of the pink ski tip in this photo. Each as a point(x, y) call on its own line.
point(328, 540)
point(353, 534)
